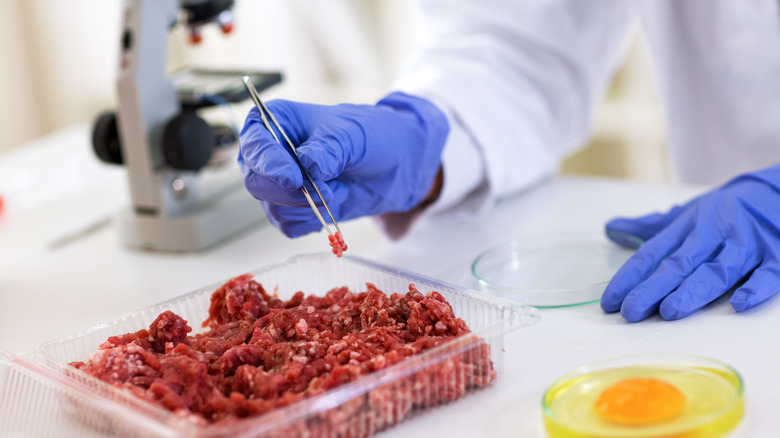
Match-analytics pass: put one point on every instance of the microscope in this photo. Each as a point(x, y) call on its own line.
point(178, 201)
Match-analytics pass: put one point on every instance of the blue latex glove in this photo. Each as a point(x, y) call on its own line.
point(697, 252)
point(366, 159)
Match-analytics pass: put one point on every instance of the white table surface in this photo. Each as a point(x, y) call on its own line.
point(55, 188)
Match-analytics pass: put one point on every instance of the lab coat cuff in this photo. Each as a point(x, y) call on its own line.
point(465, 190)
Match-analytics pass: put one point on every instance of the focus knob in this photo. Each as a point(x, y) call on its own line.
point(105, 139)
point(188, 142)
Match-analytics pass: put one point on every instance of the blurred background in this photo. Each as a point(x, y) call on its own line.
point(60, 63)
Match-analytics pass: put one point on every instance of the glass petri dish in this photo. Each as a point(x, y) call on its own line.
point(712, 393)
point(563, 269)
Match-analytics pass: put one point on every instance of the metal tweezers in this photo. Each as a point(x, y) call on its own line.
point(265, 114)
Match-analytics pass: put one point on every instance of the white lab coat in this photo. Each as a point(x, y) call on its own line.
point(519, 81)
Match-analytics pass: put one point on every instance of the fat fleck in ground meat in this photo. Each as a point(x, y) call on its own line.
point(261, 353)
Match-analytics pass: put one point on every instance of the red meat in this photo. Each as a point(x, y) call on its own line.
point(262, 353)
point(337, 244)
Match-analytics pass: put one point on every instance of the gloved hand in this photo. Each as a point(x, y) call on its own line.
point(366, 159)
point(697, 252)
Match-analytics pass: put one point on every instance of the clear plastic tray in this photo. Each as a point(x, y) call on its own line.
point(356, 409)
point(35, 402)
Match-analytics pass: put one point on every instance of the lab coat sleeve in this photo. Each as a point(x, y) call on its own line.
point(518, 82)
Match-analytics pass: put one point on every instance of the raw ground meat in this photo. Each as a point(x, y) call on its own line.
point(337, 244)
point(262, 353)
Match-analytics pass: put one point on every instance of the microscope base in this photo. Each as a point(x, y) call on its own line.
point(218, 221)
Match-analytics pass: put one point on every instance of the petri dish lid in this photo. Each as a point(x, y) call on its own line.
point(556, 270)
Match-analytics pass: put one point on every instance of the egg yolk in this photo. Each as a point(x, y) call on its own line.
point(639, 401)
